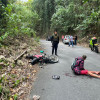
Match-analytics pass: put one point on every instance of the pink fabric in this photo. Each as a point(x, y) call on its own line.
point(81, 65)
point(62, 36)
point(84, 72)
point(38, 56)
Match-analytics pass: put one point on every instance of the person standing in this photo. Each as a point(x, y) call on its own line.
point(55, 42)
point(76, 40)
point(71, 40)
point(62, 37)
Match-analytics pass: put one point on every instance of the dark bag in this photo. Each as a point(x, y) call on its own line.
point(77, 61)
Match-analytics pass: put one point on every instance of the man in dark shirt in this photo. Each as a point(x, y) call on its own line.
point(76, 40)
point(55, 42)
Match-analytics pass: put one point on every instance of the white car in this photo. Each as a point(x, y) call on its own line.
point(66, 39)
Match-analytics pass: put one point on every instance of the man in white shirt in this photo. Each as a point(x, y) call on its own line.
point(71, 40)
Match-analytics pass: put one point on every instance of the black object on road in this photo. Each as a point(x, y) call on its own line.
point(42, 58)
point(56, 77)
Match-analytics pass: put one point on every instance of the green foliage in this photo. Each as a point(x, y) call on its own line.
point(13, 76)
point(4, 92)
point(77, 16)
point(16, 83)
point(1, 88)
point(64, 18)
point(1, 79)
point(15, 97)
point(37, 39)
point(68, 16)
point(4, 36)
point(13, 65)
point(17, 19)
point(45, 9)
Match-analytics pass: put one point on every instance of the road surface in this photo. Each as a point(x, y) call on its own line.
point(70, 86)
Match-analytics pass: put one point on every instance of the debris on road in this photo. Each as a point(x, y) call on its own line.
point(56, 77)
point(36, 97)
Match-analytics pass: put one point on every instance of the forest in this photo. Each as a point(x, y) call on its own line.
point(81, 17)
point(41, 17)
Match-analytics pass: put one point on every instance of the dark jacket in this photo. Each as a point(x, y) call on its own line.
point(55, 39)
point(75, 37)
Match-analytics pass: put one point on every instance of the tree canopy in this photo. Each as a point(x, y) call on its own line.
point(39, 17)
point(17, 18)
point(74, 16)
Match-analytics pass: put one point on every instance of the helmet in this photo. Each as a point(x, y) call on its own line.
point(94, 38)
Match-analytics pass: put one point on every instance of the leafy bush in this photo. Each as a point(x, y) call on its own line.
point(20, 20)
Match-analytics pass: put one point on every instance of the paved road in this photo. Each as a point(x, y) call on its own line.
point(70, 86)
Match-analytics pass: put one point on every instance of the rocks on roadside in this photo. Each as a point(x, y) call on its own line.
point(36, 97)
point(10, 59)
point(20, 62)
point(23, 46)
point(2, 57)
point(2, 64)
point(9, 68)
point(21, 75)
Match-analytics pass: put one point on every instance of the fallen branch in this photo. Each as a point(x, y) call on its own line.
point(20, 56)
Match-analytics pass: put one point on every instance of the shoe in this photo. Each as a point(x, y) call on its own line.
point(98, 73)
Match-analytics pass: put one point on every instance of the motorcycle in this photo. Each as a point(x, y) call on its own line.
point(42, 58)
point(94, 45)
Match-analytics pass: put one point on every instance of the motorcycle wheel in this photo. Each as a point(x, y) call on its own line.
point(96, 50)
point(92, 48)
point(53, 59)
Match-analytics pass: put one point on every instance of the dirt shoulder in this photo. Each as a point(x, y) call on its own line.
point(16, 78)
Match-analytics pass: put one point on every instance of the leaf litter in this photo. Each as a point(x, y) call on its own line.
point(17, 78)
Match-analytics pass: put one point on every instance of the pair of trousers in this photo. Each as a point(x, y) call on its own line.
point(71, 42)
point(75, 42)
point(54, 48)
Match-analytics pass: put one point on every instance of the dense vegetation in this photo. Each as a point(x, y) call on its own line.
point(17, 19)
point(43, 16)
point(69, 16)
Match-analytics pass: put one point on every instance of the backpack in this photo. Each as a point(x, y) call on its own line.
point(55, 38)
point(75, 62)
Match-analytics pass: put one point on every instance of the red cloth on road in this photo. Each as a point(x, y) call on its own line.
point(84, 72)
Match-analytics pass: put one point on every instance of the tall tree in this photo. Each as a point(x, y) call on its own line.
point(45, 9)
